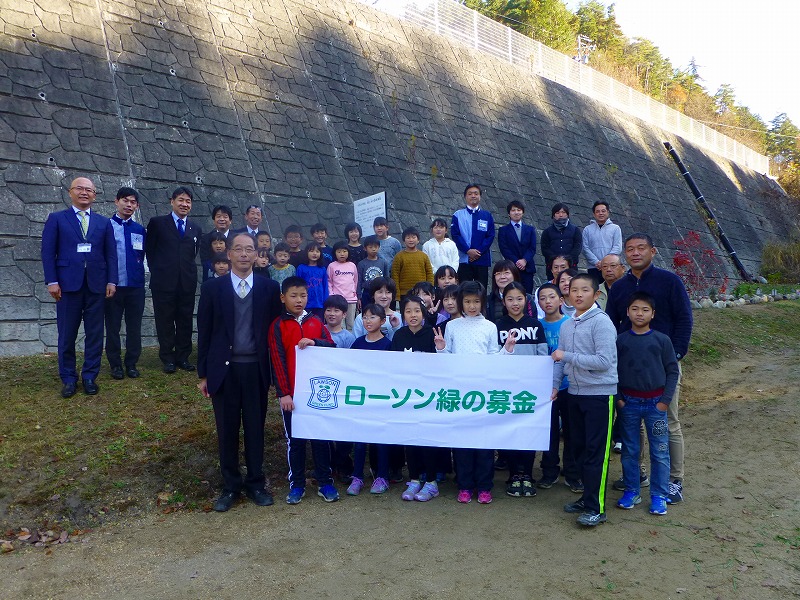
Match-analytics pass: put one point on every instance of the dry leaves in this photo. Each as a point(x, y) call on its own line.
point(38, 538)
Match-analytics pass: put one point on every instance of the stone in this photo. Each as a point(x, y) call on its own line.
point(706, 303)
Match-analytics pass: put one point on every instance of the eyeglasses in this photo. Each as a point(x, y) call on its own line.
point(80, 188)
point(240, 249)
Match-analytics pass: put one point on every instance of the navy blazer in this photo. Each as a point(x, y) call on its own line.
point(215, 327)
point(170, 257)
point(64, 264)
point(514, 249)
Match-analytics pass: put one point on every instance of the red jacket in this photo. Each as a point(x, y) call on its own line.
point(284, 333)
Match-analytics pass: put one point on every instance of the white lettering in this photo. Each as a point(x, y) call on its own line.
point(528, 333)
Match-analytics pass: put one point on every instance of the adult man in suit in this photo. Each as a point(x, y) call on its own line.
point(517, 243)
point(129, 237)
point(252, 219)
point(171, 247)
point(80, 268)
point(233, 320)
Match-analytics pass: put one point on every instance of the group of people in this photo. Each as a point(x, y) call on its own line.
point(616, 338)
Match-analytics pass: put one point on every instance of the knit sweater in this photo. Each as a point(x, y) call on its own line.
point(647, 363)
point(409, 268)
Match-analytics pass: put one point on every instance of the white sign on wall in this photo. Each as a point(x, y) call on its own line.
point(366, 209)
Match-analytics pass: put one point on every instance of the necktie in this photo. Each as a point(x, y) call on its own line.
point(518, 229)
point(84, 222)
point(243, 289)
point(181, 230)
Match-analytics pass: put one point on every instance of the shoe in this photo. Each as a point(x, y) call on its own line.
point(514, 488)
point(328, 493)
point(464, 496)
point(574, 485)
point(354, 489)
point(429, 491)
point(186, 365)
point(619, 484)
point(412, 487)
point(629, 500)
point(528, 491)
point(396, 476)
point(500, 464)
point(547, 482)
point(675, 492)
point(69, 389)
point(169, 367)
point(295, 495)
point(618, 448)
point(441, 477)
point(225, 501)
point(591, 519)
point(485, 497)
point(117, 373)
point(133, 372)
point(575, 507)
point(379, 486)
point(658, 505)
point(90, 387)
point(260, 497)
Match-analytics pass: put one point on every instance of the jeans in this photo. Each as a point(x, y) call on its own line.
point(631, 415)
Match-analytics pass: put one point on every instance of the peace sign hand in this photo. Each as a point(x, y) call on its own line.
point(438, 338)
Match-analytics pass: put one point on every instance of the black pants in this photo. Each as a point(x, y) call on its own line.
point(127, 301)
point(550, 460)
point(241, 401)
point(474, 469)
point(424, 462)
point(590, 420)
point(473, 272)
point(174, 313)
point(320, 452)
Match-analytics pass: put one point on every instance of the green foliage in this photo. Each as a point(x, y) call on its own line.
point(781, 261)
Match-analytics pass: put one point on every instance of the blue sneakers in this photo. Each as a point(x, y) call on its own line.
point(658, 505)
point(328, 493)
point(629, 500)
point(295, 495)
point(591, 519)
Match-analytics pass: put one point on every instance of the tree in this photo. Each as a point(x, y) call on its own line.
point(552, 24)
point(783, 147)
point(508, 12)
point(725, 98)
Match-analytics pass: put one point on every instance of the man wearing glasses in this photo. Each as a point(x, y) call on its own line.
point(611, 268)
point(79, 258)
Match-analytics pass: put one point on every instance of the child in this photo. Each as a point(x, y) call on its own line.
point(517, 243)
point(335, 310)
point(373, 317)
point(281, 270)
point(449, 299)
point(389, 246)
point(221, 264)
point(648, 377)
point(264, 241)
point(445, 276)
point(383, 292)
point(316, 277)
point(297, 327)
point(261, 266)
point(441, 250)
point(218, 244)
point(293, 237)
point(427, 293)
point(560, 263)
point(530, 340)
point(550, 303)
point(320, 235)
point(587, 353)
point(423, 461)
point(370, 267)
point(411, 265)
point(472, 334)
point(353, 233)
point(343, 280)
point(562, 281)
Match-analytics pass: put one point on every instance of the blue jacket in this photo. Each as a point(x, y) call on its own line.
point(673, 315)
point(514, 249)
point(130, 260)
point(473, 230)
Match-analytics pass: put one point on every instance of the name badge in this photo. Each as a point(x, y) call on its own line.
point(137, 241)
point(483, 225)
point(84, 248)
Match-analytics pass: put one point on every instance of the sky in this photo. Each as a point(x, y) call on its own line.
point(749, 45)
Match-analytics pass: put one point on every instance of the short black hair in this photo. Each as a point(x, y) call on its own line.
point(282, 247)
point(318, 227)
point(251, 207)
point(341, 245)
point(515, 285)
point(587, 277)
point(422, 286)
point(293, 281)
point(312, 246)
point(410, 231)
point(380, 221)
point(515, 204)
point(371, 240)
point(549, 286)
point(218, 236)
point(601, 203)
point(642, 297)
point(639, 236)
point(181, 190)
point(124, 192)
point(412, 298)
point(375, 309)
point(504, 265)
point(293, 229)
point(442, 271)
point(263, 233)
point(222, 207)
point(350, 227)
point(219, 257)
point(557, 207)
point(439, 221)
point(472, 185)
point(380, 282)
point(471, 288)
point(450, 291)
point(572, 272)
point(335, 301)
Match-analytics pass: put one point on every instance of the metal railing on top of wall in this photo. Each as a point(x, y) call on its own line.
point(466, 26)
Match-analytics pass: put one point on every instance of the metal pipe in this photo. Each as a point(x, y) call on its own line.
point(716, 229)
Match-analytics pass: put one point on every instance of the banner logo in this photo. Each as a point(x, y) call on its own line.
point(323, 393)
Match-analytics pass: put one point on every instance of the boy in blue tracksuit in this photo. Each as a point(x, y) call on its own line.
point(472, 229)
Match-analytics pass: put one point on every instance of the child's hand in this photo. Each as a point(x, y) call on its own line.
point(358, 305)
point(305, 343)
point(286, 403)
point(554, 395)
point(511, 341)
point(662, 406)
point(435, 308)
point(394, 319)
point(558, 355)
point(620, 403)
point(438, 339)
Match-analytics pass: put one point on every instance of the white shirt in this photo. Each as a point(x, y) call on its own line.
point(235, 279)
point(471, 335)
point(442, 254)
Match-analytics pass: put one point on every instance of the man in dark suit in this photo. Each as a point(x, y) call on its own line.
point(252, 220)
point(80, 268)
point(171, 247)
point(517, 243)
point(233, 320)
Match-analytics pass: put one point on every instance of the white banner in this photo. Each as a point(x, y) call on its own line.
point(366, 209)
point(418, 399)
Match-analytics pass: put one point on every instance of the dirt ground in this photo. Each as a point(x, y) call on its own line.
point(737, 535)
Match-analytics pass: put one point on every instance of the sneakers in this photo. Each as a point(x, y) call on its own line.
point(429, 491)
point(658, 505)
point(356, 484)
point(675, 492)
point(464, 496)
point(591, 519)
point(618, 448)
point(547, 482)
point(328, 493)
point(574, 485)
point(514, 487)
point(379, 486)
point(575, 507)
point(629, 500)
point(528, 491)
point(396, 475)
point(485, 497)
point(295, 495)
point(412, 487)
point(619, 484)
